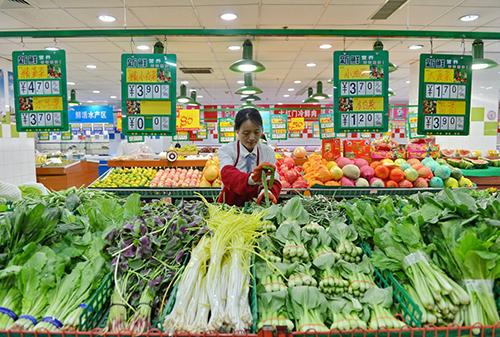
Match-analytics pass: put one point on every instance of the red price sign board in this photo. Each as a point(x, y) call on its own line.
point(188, 120)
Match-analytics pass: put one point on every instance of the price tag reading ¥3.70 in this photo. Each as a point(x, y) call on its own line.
point(361, 102)
point(149, 94)
point(40, 92)
point(444, 94)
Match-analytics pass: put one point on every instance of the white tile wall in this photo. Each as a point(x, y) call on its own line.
point(17, 160)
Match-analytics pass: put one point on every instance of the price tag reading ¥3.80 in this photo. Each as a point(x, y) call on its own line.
point(149, 94)
point(40, 91)
point(279, 127)
point(226, 130)
point(361, 102)
point(444, 94)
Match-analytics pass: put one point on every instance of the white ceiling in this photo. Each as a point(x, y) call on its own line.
point(284, 58)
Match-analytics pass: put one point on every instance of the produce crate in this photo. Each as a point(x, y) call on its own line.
point(355, 192)
point(96, 307)
point(403, 302)
point(252, 297)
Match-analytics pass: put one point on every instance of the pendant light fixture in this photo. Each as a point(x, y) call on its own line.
point(310, 99)
point(250, 98)
point(248, 88)
point(319, 95)
point(183, 98)
point(158, 48)
point(247, 64)
point(479, 62)
point(248, 105)
point(72, 98)
point(193, 101)
point(378, 45)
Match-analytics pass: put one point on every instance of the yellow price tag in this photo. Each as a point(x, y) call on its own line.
point(354, 72)
point(439, 75)
point(226, 124)
point(450, 107)
point(297, 124)
point(47, 103)
point(142, 75)
point(188, 120)
point(368, 103)
point(325, 120)
point(155, 107)
point(32, 72)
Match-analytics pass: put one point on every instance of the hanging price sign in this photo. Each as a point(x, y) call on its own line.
point(188, 120)
point(226, 130)
point(181, 136)
point(361, 102)
point(202, 132)
point(67, 135)
point(326, 128)
point(149, 94)
point(444, 94)
point(279, 127)
point(316, 131)
point(40, 91)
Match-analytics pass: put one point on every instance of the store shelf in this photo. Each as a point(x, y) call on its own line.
point(163, 192)
point(355, 192)
point(156, 163)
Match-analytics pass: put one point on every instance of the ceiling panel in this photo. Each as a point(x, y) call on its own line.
point(419, 15)
point(209, 16)
point(347, 14)
point(87, 3)
point(44, 18)
point(90, 17)
point(8, 23)
point(486, 14)
point(166, 16)
point(291, 14)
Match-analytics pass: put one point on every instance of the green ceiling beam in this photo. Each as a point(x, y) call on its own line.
point(62, 33)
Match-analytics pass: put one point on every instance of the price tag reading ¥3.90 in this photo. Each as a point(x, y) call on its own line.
point(149, 94)
point(361, 102)
point(279, 127)
point(40, 92)
point(444, 94)
point(226, 130)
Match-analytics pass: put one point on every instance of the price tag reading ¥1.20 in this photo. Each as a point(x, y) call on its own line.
point(361, 102)
point(279, 127)
point(40, 91)
point(226, 130)
point(444, 94)
point(149, 94)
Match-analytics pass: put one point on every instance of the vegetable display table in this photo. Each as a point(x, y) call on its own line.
point(77, 174)
point(484, 178)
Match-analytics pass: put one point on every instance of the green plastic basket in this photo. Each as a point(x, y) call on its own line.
point(355, 192)
point(97, 305)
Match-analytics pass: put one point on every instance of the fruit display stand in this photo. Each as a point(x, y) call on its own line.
point(77, 174)
point(484, 178)
point(157, 163)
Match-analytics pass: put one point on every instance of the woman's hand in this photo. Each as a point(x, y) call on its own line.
point(261, 197)
point(256, 175)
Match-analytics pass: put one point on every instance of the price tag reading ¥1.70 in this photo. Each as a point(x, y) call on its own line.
point(40, 91)
point(226, 130)
point(361, 102)
point(149, 94)
point(279, 127)
point(444, 94)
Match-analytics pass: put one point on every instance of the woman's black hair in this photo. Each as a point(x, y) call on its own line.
point(248, 114)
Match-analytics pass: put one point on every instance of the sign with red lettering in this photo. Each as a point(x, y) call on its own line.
point(310, 112)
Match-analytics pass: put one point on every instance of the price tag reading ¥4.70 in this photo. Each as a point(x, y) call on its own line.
point(444, 94)
point(40, 92)
point(361, 101)
point(149, 94)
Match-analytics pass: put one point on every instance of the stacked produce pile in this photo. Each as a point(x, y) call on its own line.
point(185, 149)
point(127, 177)
point(211, 174)
point(386, 173)
point(213, 291)
point(177, 177)
point(466, 159)
point(312, 272)
point(290, 174)
point(52, 256)
point(445, 247)
point(148, 252)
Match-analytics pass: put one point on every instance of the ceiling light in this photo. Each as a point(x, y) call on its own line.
point(319, 95)
point(96, 92)
point(142, 47)
point(91, 66)
point(489, 88)
point(280, 103)
point(479, 62)
point(291, 89)
point(407, 82)
point(183, 97)
point(469, 17)
point(113, 97)
point(416, 46)
point(229, 16)
point(311, 65)
point(184, 82)
point(107, 18)
point(247, 64)
point(251, 98)
point(53, 48)
point(297, 81)
point(325, 46)
point(70, 83)
point(248, 105)
point(200, 96)
point(309, 98)
point(193, 101)
point(72, 98)
point(286, 95)
point(234, 48)
point(241, 82)
point(90, 101)
point(391, 92)
point(248, 88)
